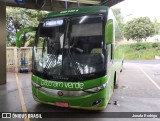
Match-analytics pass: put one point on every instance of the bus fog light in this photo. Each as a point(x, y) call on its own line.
point(97, 102)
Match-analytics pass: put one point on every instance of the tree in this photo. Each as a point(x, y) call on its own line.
point(138, 28)
point(156, 26)
point(18, 18)
point(119, 18)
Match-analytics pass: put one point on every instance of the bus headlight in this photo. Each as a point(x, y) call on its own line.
point(97, 89)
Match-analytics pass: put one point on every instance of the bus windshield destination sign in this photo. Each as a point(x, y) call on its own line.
point(69, 11)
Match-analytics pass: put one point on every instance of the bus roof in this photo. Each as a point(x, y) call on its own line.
point(76, 11)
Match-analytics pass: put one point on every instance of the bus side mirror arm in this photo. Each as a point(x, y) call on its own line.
point(21, 32)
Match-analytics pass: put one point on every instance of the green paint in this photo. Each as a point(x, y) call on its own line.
point(109, 32)
point(85, 101)
point(79, 11)
point(70, 86)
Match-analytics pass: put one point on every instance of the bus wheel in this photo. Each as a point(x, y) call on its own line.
point(121, 70)
point(115, 84)
point(122, 67)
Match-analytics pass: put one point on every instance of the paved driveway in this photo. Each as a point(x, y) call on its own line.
point(139, 91)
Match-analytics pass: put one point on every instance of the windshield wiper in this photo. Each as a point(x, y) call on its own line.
point(51, 61)
point(75, 66)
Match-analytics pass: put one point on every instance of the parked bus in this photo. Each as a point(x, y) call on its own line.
point(76, 58)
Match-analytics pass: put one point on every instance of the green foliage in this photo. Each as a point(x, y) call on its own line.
point(140, 46)
point(18, 18)
point(156, 26)
point(139, 28)
point(144, 51)
point(154, 45)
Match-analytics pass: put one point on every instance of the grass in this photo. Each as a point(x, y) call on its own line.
point(142, 51)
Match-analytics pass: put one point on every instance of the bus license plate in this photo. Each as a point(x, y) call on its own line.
point(62, 104)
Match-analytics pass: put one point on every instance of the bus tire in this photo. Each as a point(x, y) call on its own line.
point(122, 67)
point(121, 70)
point(115, 84)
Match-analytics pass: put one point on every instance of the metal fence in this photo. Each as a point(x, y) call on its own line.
point(16, 56)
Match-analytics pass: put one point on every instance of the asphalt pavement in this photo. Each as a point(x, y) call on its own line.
point(138, 91)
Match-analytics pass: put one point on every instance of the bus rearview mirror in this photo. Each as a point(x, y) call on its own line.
point(21, 32)
point(109, 32)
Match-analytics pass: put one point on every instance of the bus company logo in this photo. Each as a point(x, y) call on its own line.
point(69, 85)
point(60, 93)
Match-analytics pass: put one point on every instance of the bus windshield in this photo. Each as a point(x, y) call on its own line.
point(69, 47)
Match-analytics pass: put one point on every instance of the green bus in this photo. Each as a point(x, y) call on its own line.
point(77, 58)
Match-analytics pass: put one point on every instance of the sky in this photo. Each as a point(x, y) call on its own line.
point(139, 8)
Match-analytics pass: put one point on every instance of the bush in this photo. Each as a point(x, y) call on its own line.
point(142, 51)
point(154, 45)
point(158, 48)
point(140, 46)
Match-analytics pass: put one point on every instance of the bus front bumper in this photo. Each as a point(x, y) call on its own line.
point(94, 101)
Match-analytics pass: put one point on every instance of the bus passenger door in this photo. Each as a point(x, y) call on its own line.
point(109, 40)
